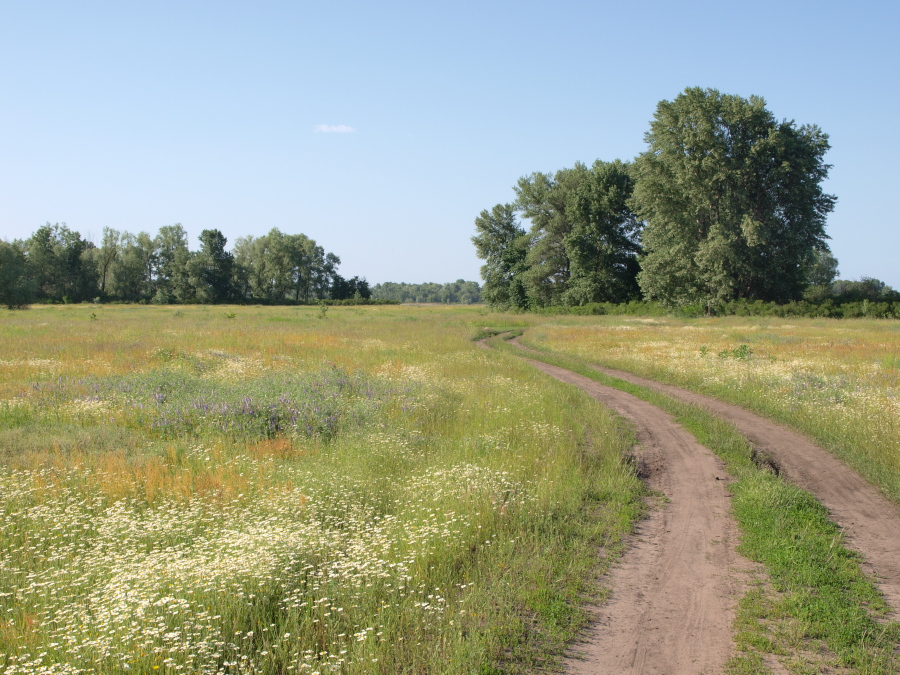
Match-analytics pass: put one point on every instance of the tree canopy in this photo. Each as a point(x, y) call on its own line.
point(581, 246)
point(503, 244)
point(732, 201)
point(55, 264)
point(455, 292)
point(726, 203)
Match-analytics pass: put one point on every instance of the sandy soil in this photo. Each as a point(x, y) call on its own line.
point(675, 590)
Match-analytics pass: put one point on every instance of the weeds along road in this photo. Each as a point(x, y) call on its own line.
point(675, 590)
point(871, 523)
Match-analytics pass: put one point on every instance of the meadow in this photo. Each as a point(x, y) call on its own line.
point(272, 490)
point(835, 380)
point(364, 490)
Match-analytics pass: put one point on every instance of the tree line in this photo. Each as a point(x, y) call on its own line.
point(455, 292)
point(57, 265)
point(725, 204)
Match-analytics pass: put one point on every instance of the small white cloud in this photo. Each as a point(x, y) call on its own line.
point(333, 129)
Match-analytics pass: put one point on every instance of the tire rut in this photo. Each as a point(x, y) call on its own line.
point(675, 589)
point(870, 523)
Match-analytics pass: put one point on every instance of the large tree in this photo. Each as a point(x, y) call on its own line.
point(172, 275)
point(503, 244)
point(732, 200)
point(542, 198)
point(133, 272)
point(280, 266)
point(212, 268)
point(58, 265)
point(602, 240)
point(16, 289)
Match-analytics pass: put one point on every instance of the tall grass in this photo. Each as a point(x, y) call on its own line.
point(277, 491)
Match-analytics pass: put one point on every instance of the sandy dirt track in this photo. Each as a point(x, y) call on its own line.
point(870, 522)
point(675, 590)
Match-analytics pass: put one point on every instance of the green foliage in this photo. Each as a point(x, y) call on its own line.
point(346, 289)
point(824, 269)
point(583, 237)
point(503, 244)
point(57, 264)
point(732, 200)
point(60, 266)
point(866, 289)
point(582, 245)
point(729, 198)
point(212, 268)
point(742, 352)
point(602, 244)
point(455, 292)
point(829, 308)
point(16, 289)
point(279, 266)
point(172, 255)
point(133, 271)
point(542, 200)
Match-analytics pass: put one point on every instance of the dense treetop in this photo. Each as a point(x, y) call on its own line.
point(726, 203)
point(732, 201)
point(56, 265)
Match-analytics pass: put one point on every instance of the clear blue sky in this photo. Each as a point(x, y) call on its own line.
point(135, 115)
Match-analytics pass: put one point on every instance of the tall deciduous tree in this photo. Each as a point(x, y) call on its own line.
point(582, 246)
point(542, 199)
point(602, 242)
point(58, 265)
point(132, 276)
point(16, 289)
point(213, 268)
point(106, 256)
point(172, 256)
point(503, 244)
point(732, 201)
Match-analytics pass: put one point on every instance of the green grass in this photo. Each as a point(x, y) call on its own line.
point(831, 380)
point(816, 608)
point(441, 508)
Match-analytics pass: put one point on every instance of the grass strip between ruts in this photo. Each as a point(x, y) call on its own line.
point(817, 609)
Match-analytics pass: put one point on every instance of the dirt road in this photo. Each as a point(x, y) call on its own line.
point(674, 591)
point(870, 522)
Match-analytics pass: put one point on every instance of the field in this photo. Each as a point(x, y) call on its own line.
point(266, 490)
point(835, 380)
point(357, 490)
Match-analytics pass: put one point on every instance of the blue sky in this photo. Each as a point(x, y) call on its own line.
point(381, 130)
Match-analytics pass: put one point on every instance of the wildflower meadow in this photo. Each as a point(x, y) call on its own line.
point(277, 490)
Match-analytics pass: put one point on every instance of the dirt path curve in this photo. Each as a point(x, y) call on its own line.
point(674, 591)
point(870, 522)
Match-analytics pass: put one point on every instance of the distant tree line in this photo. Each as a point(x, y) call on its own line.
point(725, 204)
point(455, 292)
point(57, 265)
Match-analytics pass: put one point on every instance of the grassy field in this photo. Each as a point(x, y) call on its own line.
point(268, 490)
point(835, 380)
point(811, 609)
point(364, 490)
